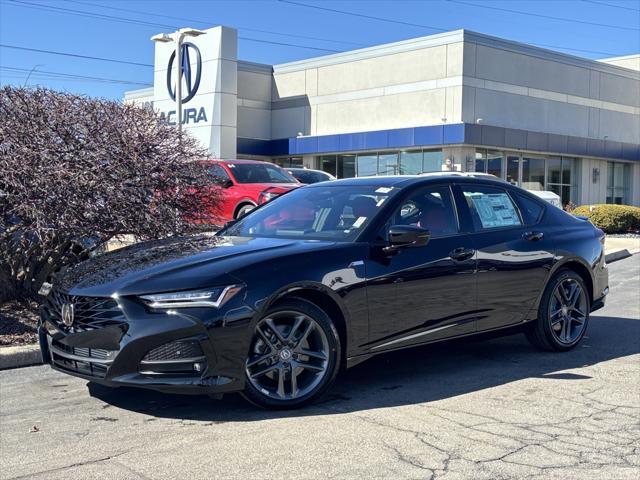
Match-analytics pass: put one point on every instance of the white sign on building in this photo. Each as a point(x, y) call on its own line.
point(209, 88)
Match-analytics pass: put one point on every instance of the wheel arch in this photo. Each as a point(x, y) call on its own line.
point(579, 267)
point(241, 204)
point(323, 298)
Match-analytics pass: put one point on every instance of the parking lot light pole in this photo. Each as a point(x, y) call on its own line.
point(178, 38)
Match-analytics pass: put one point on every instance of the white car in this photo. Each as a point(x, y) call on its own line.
point(552, 198)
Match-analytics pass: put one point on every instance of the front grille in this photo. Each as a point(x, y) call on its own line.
point(90, 313)
point(86, 368)
point(93, 362)
point(90, 353)
point(178, 350)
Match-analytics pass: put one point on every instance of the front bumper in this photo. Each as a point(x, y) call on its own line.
point(138, 349)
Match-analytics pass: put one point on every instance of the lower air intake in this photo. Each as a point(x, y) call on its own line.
point(178, 350)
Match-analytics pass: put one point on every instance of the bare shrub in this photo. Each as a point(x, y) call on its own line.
point(77, 171)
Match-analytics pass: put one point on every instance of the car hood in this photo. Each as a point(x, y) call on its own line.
point(275, 187)
point(172, 264)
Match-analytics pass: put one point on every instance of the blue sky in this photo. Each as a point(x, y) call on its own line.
point(113, 29)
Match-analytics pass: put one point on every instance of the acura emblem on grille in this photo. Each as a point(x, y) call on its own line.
point(67, 314)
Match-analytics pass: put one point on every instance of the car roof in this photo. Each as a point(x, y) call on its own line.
point(402, 181)
point(238, 160)
point(302, 169)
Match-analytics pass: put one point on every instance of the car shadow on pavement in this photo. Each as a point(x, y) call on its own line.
point(420, 375)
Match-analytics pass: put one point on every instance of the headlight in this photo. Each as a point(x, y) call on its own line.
point(266, 197)
point(211, 297)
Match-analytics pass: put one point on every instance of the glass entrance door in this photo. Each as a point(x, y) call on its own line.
point(513, 170)
point(532, 174)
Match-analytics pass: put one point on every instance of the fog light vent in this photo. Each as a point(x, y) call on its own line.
point(178, 350)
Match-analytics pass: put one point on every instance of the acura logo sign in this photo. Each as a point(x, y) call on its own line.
point(190, 78)
point(67, 314)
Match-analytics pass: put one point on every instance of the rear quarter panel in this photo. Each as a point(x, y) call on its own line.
point(577, 241)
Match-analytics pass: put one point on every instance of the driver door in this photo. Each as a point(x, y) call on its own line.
point(426, 293)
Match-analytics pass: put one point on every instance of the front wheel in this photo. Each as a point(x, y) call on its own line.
point(563, 314)
point(243, 210)
point(294, 356)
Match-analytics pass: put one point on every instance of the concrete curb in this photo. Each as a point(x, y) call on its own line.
point(20, 356)
point(617, 255)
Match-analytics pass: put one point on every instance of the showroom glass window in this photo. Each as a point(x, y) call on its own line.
point(367, 165)
point(411, 162)
point(328, 164)
point(388, 164)
point(561, 177)
point(346, 166)
point(289, 162)
point(513, 169)
point(489, 161)
point(618, 177)
point(532, 173)
point(432, 161)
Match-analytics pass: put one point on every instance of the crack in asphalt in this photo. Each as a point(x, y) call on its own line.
point(580, 441)
point(73, 465)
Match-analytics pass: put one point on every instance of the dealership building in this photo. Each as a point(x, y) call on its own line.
point(459, 101)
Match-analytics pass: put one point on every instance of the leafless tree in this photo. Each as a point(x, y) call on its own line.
point(77, 171)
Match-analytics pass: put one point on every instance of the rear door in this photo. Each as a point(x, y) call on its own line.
point(514, 256)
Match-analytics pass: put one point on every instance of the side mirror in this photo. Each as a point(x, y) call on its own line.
point(227, 183)
point(403, 236)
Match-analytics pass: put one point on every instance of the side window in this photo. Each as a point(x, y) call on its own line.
point(530, 209)
point(490, 207)
point(430, 208)
point(218, 174)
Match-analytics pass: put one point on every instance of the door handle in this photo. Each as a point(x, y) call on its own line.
point(461, 254)
point(533, 236)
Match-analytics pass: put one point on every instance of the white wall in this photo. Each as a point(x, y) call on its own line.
point(517, 86)
point(629, 61)
point(254, 101)
point(405, 84)
point(591, 192)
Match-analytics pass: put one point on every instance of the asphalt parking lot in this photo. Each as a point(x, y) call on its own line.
point(491, 409)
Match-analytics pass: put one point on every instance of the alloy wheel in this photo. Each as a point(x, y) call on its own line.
point(244, 210)
point(289, 355)
point(568, 311)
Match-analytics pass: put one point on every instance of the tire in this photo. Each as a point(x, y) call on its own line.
point(563, 314)
point(243, 210)
point(294, 356)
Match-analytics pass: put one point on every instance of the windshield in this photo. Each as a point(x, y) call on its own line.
point(316, 213)
point(259, 173)
point(307, 176)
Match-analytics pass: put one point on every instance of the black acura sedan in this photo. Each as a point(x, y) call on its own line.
point(323, 278)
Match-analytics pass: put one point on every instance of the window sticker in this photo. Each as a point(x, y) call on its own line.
point(495, 210)
point(359, 221)
point(384, 189)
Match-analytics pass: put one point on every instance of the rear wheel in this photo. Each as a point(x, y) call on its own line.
point(563, 314)
point(294, 356)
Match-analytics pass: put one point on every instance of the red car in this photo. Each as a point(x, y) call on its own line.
point(247, 184)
